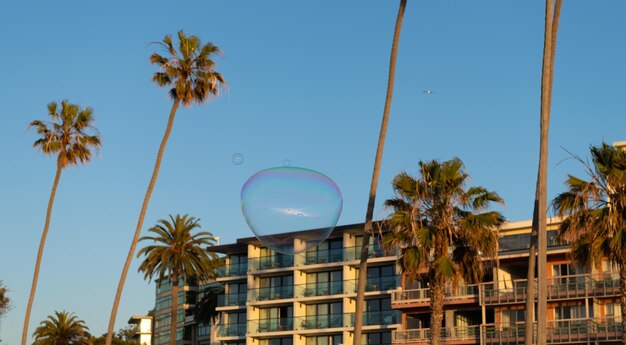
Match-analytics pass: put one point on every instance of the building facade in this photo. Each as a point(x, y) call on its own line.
point(309, 298)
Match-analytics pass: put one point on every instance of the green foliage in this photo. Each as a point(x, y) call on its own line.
point(205, 310)
point(175, 252)
point(70, 135)
point(596, 209)
point(188, 68)
point(5, 301)
point(62, 328)
point(439, 227)
point(123, 337)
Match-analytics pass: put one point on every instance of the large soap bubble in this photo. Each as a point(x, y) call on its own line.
point(279, 203)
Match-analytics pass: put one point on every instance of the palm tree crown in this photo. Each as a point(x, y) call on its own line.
point(68, 135)
point(596, 209)
point(62, 328)
point(189, 69)
point(176, 252)
point(440, 229)
point(434, 213)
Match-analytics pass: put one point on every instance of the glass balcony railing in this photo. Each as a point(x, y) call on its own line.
point(319, 289)
point(323, 256)
point(354, 253)
point(232, 270)
point(383, 317)
point(270, 293)
point(231, 300)
point(374, 284)
point(270, 325)
point(270, 262)
point(231, 330)
point(521, 241)
point(323, 321)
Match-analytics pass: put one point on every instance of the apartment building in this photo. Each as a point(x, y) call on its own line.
point(309, 298)
point(583, 302)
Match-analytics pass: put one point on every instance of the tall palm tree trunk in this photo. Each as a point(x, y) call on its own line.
point(174, 315)
point(530, 280)
point(539, 232)
point(42, 243)
point(142, 214)
point(437, 296)
point(549, 52)
point(360, 299)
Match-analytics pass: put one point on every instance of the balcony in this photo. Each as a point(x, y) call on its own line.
point(232, 270)
point(421, 297)
point(231, 330)
point(467, 334)
point(558, 332)
point(270, 325)
point(270, 293)
point(231, 300)
point(270, 262)
point(520, 242)
point(323, 321)
point(319, 289)
point(323, 256)
point(374, 284)
point(559, 288)
point(377, 318)
point(354, 253)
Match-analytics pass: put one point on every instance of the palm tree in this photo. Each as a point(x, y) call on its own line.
point(5, 302)
point(440, 229)
point(71, 137)
point(206, 308)
point(539, 224)
point(596, 214)
point(369, 214)
point(64, 328)
point(177, 253)
point(190, 71)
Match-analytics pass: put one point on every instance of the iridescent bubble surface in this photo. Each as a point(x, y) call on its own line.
point(237, 158)
point(280, 203)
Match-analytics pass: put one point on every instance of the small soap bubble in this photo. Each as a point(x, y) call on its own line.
point(279, 203)
point(286, 163)
point(237, 158)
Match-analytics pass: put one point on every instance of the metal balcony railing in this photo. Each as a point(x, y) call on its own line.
point(559, 288)
point(447, 334)
point(423, 295)
point(320, 289)
point(270, 293)
point(557, 331)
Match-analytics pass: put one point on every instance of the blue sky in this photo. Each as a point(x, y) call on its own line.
point(306, 83)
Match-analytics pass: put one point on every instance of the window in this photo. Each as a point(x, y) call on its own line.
point(376, 338)
point(511, 317)
point(277, 341)
point(324, 283)
point(325, 340)
point(568, 312)
point(381, 278)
